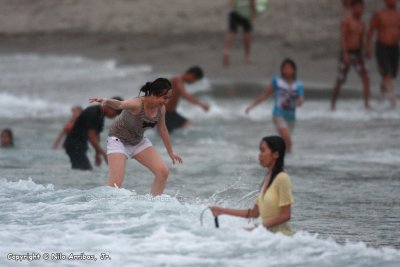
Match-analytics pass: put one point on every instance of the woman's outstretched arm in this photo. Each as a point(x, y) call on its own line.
point(163, 131)
point(116, 104)
point(250, 213)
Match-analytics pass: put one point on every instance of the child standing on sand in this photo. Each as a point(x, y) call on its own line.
point(288, 94)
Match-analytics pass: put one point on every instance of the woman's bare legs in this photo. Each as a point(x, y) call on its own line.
point(151, 159)
point(116, 165)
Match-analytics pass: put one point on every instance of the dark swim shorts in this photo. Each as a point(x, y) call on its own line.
point(173, 120)
point(388, 59)
point(79, 160)
point(356, 60)
point(236, 21)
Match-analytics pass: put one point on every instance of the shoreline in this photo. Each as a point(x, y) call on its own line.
point(169, 55)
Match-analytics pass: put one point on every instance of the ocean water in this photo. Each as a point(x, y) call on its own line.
point(344, 169)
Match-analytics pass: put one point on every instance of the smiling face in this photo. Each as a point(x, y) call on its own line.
point(267, 157)
point(161, 100)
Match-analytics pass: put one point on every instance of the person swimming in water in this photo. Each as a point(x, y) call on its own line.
point(75, 112)
point(126, 137)
point(288, 93)
point(7, 138)
point(274, 202)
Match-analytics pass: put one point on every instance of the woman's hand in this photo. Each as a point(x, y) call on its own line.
point(100, 100)
point(175, 157)
point(217, 210)
point(205, 107)
point(248, 110)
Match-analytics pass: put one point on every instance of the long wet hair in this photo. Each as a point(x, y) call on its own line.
point(276, 144)
point(158, 87)
point(292, 64)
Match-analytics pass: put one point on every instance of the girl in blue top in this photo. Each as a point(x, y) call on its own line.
point(288, 94)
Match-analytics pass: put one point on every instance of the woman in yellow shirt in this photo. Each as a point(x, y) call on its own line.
point(275, 199)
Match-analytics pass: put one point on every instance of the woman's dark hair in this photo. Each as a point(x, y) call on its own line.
point(158, 87)
point(292, 64)
point(10, 134)
point(276, 144)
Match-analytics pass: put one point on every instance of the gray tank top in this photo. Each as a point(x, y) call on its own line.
point(129, 128)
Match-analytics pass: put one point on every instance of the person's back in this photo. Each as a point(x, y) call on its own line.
point(242, 7)
point(91, 118)
point(173, 102)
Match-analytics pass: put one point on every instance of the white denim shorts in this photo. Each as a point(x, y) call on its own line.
point(114, 145)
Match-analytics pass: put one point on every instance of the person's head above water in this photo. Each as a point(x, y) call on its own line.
point(193, 74)
point(157, 92)
point(7, 139)
point(288, 69)
point(110, 112)
point(272, 155)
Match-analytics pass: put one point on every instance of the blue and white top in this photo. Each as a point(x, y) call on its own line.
point(285, 97)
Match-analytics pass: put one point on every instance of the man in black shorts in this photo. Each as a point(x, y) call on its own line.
point(241, 15)
point(173, 119)
point(87, 128)
point(387, 23)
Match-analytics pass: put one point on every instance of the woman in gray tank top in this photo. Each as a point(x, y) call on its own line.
point(126, 137)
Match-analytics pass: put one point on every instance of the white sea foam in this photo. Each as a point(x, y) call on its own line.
point(143, 231)
point(17, 107)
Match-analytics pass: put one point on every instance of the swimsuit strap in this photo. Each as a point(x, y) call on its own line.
point(142, 106)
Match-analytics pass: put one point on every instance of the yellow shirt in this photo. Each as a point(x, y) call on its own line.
point(278, 194)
